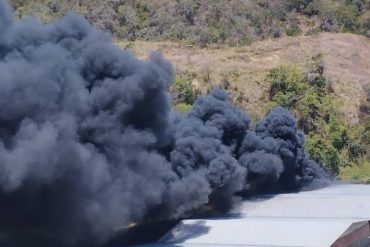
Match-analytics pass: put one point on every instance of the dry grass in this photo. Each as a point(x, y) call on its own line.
point(357, 173)
point(346, 58)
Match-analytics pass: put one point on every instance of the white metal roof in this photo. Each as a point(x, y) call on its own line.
point(338, 202)
point(314, 218)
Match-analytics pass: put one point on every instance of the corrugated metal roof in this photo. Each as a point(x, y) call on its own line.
point(314, 218)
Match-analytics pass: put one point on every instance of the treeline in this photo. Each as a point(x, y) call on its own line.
point(232, 22)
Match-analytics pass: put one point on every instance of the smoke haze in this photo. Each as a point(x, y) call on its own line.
point(89, 144)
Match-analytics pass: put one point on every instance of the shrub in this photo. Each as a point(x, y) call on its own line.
point(293, 31)
point(323, 152)
point(313, 8)
point(183, 92)
point(347, 16)
point(364, 23)
point(286, 82)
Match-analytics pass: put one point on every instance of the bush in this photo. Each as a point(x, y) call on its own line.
point(293, 31)
point(309, 108)
point(183, 92)
point(364, 23)
point(347, 16)
point(286, 83)
point(313, 8)
point(323, 152)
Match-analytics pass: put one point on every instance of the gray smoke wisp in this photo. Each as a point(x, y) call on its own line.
point(89, 144)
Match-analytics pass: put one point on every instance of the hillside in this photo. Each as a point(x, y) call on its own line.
point(310, 56)
point(346, 58)
point(202, 23)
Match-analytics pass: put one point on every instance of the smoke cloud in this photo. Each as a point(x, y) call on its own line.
point(89, 144)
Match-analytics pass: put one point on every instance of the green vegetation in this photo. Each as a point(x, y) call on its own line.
point(358, 173)
point(183, 93)
point(341, 148)
point(198, 22)
point(287, 83)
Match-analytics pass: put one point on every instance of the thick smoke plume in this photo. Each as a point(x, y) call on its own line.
point(88, 142)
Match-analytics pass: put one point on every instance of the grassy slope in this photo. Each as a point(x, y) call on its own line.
point(358, 174)
point(346, 59)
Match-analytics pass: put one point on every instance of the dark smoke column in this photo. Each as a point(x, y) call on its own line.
point(80, 125)
point(214, 141)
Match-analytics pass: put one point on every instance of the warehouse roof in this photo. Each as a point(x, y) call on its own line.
point(334, 216)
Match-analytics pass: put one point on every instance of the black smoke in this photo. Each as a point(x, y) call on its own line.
point(89, 144)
